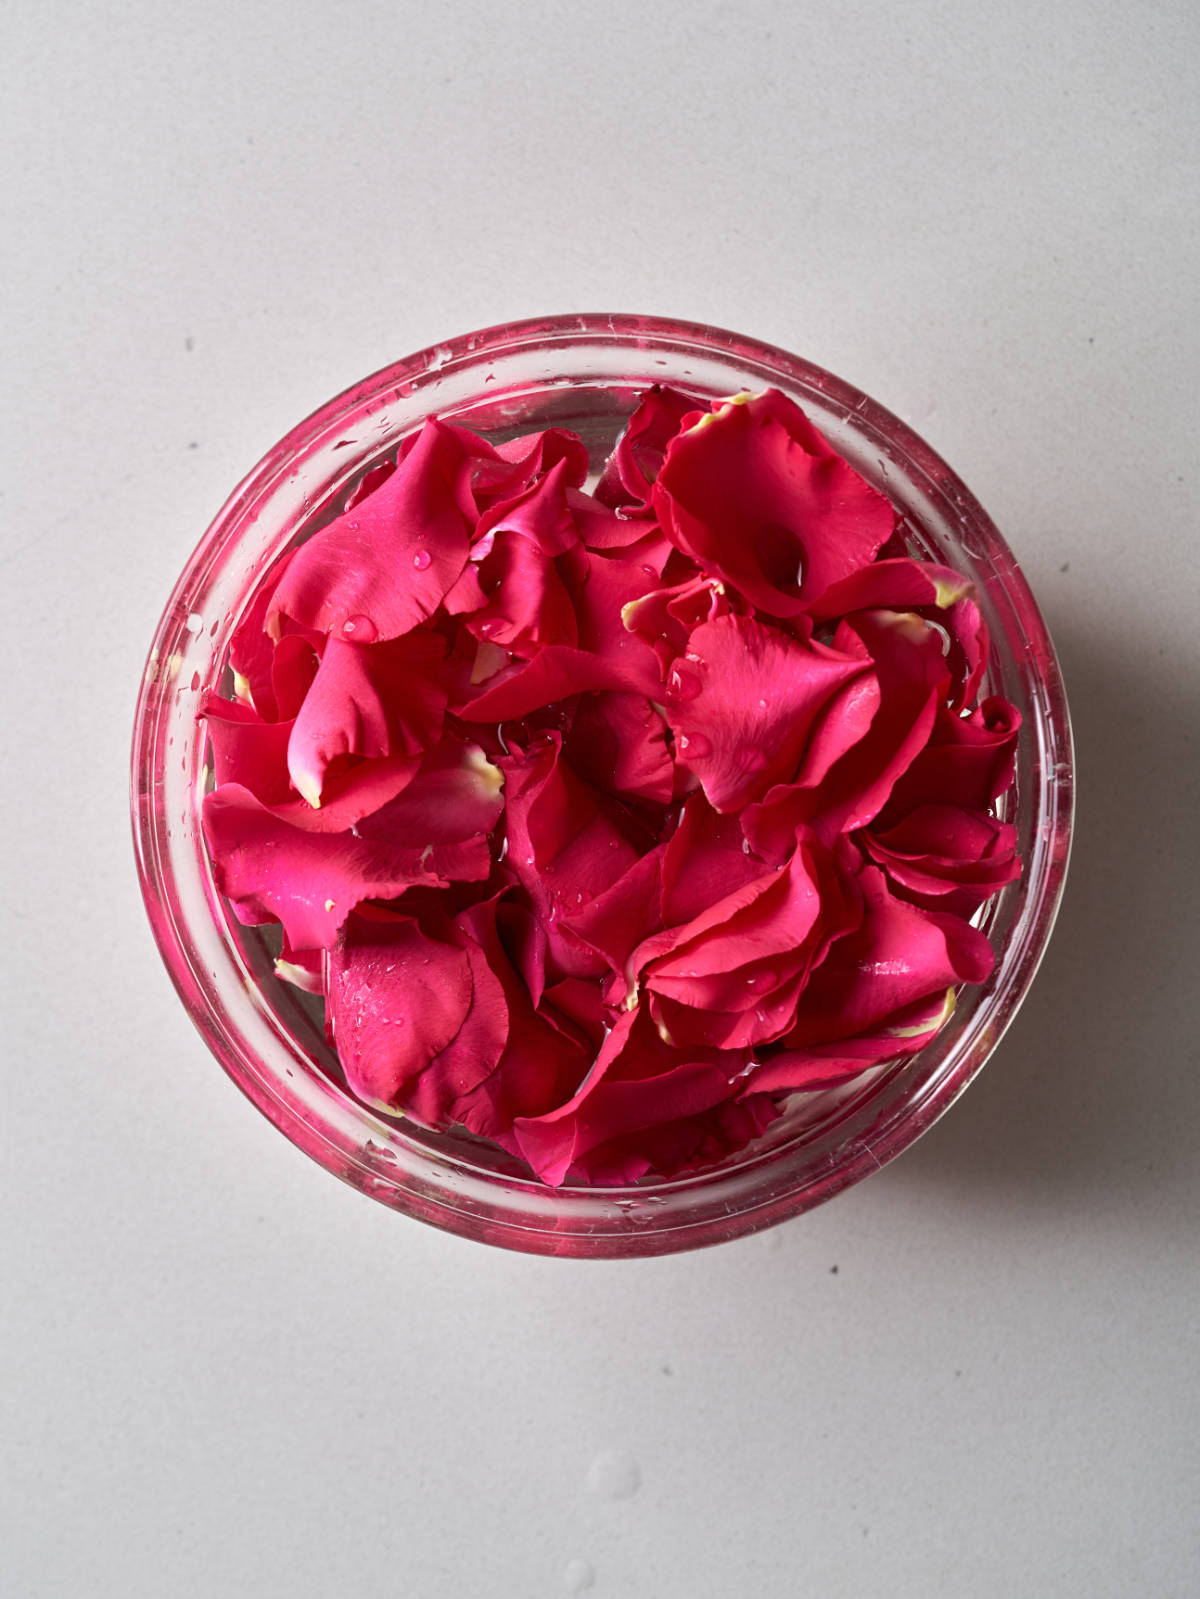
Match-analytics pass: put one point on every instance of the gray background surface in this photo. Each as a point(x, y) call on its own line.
point(226, 1374)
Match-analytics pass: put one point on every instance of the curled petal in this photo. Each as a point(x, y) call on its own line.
point(397, 998)
point(756, 496)
point(632, 469)
point(368, 700)
point(743, 702)
point(309, 881)
point(344, 581)
point(937, 592)
point(618, 742)
point(540, 514)
point(563, 845)
point(899, 956)
point(247, 750)
point(525, 603)
point(945, 857)
point(969, 761)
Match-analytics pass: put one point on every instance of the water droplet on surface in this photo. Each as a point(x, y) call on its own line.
point(682, 684)
point(760, 979)
point(195, 681)
point(578, 1576)
point(762, 705)
point(695, 746)
point(194, 623)
point(614, 1475)
point(422, 560)
point(360, 629)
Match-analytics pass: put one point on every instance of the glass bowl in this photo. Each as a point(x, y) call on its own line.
point(580, 372)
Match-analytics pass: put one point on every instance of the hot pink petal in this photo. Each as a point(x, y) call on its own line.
point(505, 471)
point(743, 702)
point(397, 997)
point(618, 742)
point(945, 857)
point(905, 1032)
point(252, 650)
point(439, 1094)
point(247, 750)
point(937, 592)
point(541, 513)
point(900, 955)
point(755, 496)
point(302, 968)
point(562, 844)
point(294, 666)
point(369, 700)
point(456, 795)
point(912, 680)
point(969, 761)
point(526, 605)
point(381, 569)
point(624, 913)
point(555, 673)
point(540, 1065)
point(636, 1087)
point(310, 881)
point(632, 469)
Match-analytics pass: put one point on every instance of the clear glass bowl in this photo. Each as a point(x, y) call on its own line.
point(580, 372)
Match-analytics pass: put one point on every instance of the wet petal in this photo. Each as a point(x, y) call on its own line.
point(563, 845)
point(632, 469)
point(247, 750)
point(397, 997)
point(755, 496)
point(310, 881)
point(743, 702)
point(384, 567)
point(945, 857)
point(368, 700)
point(969, 761)
point(619, 743)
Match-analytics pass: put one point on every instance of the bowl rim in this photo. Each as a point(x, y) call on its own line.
point(614, 1221)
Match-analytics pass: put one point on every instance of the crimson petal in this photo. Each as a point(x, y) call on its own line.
point(384, 567)
point(756, 496)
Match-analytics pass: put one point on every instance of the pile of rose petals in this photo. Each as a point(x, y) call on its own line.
point(604, 822)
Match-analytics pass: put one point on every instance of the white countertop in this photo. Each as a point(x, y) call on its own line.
point(224, 1373)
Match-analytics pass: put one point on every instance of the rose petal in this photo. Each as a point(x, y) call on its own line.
point(368, 700)
point(904, 1033)
point(247, 750)
point(743, 702)
point(381, 569)
point(397, 997)
point(969, 761)
point(618, 742)
point(945, 857)
point(525, 603)
point(904, 584)
point(756, 496)
point(310, 881)
point(541, 514)
point(439, 1094)
point(631, 470)
point(563, 845)
point(898, 956)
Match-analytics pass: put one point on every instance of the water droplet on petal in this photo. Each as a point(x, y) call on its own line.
point(695, 746)
point(763, 979)
point(422, 560)
point(360, 629)
point(682, 684)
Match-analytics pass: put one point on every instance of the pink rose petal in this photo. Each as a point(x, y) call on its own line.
point(272, 871)
point(247, 750)
point(344, 581)
point(632, 469)
point(619, 743)
point(743, 701)
point(756, 497)
point(368, 700)
point(397, 997)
